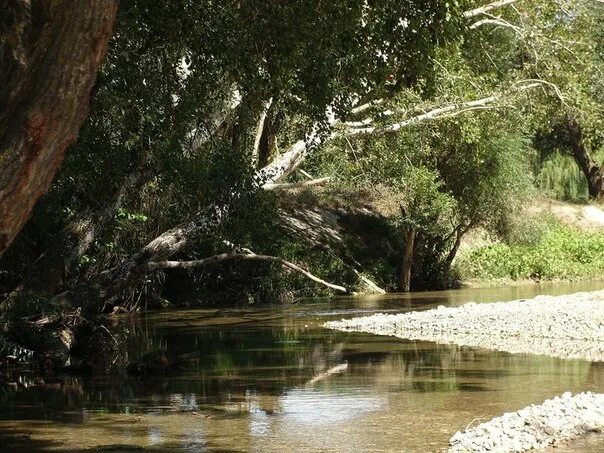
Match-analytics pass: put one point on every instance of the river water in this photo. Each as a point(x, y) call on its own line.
point(270, 379)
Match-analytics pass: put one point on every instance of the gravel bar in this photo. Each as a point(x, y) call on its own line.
point(559, 419)
point(569, 326)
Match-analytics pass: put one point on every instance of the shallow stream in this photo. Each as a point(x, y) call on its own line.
point(270, 379)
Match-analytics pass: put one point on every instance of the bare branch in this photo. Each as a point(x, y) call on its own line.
point(245, 256)
point(432, 114)
point(259, 130)
point(364, 107)
point(305, 174)
point(498, 22)
point(487, 8)
point(444, 111)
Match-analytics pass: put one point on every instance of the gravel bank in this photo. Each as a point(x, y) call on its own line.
point(569, 326)
point(559, 419)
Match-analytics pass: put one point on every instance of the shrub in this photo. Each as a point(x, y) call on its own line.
point(562, 253)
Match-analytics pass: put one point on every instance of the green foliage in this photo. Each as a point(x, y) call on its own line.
point(424, 201)
point(164, 136)
point(561, 178)
point(530, 229)
point(449, 175)
point(176, 107)
point(561, 253)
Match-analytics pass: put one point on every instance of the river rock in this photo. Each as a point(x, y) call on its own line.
point(570, 326)
point(555, 420)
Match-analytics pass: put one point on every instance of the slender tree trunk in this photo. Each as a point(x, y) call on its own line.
point(267, 143)
point(594, 173)
point(50, 52)
point(459, 234)
point(453, 252)
point(405, 284)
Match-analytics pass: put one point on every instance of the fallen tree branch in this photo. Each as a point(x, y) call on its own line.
point(296, 185)
point(371, 285)
point(243, 256)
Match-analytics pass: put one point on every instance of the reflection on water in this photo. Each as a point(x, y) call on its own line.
point(271, 379)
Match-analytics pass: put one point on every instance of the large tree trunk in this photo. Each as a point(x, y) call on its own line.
point(267, 140)
point(405, 284)
point(594, 173)
point(49, 57)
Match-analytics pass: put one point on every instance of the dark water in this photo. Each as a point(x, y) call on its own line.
point(271, 379)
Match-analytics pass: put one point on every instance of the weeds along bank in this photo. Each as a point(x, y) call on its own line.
point(545, 249)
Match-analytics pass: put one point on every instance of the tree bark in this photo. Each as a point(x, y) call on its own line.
point(594, 173)
point(405, 284)
point(267, 139)
point(49, 57)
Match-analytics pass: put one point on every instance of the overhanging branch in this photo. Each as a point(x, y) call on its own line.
point(440, 112)
point(242, 256)
point(487, 8)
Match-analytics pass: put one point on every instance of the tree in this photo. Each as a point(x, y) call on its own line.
point(50, 52)
point(180, 98)
point(560, 44)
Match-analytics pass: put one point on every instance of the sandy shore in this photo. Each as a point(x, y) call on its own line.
point(569, 326)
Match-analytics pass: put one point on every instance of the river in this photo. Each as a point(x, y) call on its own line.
point(270, 379)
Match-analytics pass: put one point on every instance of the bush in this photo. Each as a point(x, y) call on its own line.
point(562, 253)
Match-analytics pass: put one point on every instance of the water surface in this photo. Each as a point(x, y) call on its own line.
point(271, 379)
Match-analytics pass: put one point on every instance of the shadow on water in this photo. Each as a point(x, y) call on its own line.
point(271, 379)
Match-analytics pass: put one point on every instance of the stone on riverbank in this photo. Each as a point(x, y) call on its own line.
point(536, 426)
point(569, 326)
